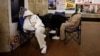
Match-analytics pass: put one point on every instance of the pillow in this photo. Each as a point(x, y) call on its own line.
point(60, 13)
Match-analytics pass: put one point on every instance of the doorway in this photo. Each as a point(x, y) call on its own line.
point(15, 7)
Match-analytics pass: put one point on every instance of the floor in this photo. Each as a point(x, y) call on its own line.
point(89, 45)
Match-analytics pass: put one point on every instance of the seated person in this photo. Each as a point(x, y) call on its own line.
point(56, 21)
point(33, 22)
point(53, 22)
point(72, 22)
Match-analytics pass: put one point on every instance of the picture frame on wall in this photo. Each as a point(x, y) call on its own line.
point(79, 7)
point(98, 9)
point(70, 5)
point(52, 4)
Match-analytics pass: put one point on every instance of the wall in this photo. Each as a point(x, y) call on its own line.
point(4, 26)
point(38, 6)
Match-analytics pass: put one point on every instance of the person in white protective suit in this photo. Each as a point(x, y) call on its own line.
point(33, 22)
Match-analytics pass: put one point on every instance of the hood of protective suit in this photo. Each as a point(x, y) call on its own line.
point(27, 13)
